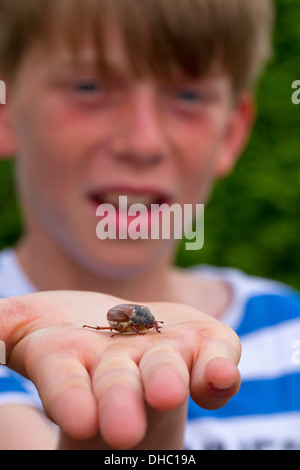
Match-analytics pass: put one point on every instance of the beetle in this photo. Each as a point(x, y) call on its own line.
point(129, 318)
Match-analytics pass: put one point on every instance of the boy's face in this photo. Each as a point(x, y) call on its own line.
point(82, 139)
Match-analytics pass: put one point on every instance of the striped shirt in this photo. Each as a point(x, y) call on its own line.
point(265, 414)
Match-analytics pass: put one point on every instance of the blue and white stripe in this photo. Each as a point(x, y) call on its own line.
point(265, 414)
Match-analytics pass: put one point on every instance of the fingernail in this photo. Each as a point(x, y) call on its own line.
point(220, 391)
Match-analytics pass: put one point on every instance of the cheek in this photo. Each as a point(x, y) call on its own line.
point(199, 148)
point(47, 155)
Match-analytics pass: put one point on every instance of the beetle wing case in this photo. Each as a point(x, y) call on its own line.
point(120, 313)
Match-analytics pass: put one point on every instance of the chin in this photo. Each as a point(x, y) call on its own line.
point(116, 260)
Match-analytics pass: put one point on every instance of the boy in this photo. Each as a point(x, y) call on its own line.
point(153, 102)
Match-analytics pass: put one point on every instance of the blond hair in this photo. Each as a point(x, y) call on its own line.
point(157, 34)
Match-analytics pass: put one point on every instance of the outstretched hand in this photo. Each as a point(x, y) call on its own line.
point(125, 391)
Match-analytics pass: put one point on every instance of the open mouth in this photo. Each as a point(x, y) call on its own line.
point(131, 211)
point(124, 214)
point(113, 198)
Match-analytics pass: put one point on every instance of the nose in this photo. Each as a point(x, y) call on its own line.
point(139, 137)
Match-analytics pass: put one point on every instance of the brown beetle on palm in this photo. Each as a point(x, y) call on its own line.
point(129, 318)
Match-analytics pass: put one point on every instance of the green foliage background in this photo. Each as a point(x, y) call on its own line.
point(252, 221)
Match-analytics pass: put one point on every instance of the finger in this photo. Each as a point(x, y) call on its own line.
point(119, 393)
point(65, 389)
point(215, 377)
point(165, 377)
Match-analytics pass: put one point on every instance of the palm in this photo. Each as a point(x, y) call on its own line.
point(89, 381)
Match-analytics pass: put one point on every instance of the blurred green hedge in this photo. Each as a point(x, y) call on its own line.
point(252, 221)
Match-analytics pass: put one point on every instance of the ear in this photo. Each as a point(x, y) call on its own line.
point(7, 146)
point(236, 134)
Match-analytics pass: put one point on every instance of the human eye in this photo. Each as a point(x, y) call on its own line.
point(87, 87)
point(89, 92)
point(94, 91)
point(189, 96)
point(193, 96)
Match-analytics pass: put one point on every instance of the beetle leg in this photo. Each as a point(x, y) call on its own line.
point(98, 327)
point(123, 331)
point(137, 331)
point(128, 326)
point(157, 327)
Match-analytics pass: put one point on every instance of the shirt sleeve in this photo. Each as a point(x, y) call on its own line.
point(15, 389)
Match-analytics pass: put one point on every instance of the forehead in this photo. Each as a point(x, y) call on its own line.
point(113, 61)
point(113, 55)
